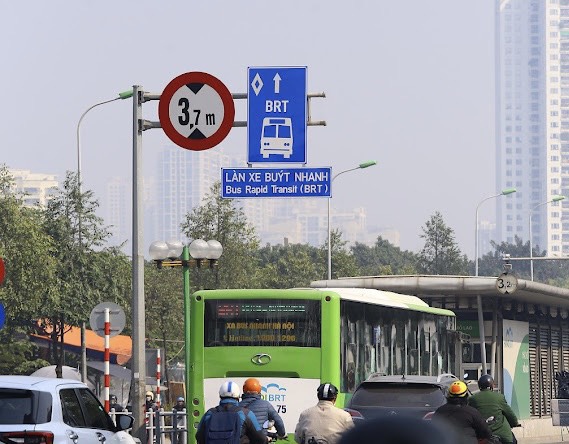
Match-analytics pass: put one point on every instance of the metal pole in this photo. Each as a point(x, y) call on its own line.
point(187, 335)
point(530, 247)
point(329, 245)
point(360, 166)
point(122, 96)
point(138, 324)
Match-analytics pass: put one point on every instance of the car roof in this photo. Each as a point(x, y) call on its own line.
point(35, 382)
point(443, 379)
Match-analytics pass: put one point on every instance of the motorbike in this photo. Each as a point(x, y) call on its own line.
point(271, 431)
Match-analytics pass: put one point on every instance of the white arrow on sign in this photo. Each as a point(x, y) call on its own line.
point(277, 80)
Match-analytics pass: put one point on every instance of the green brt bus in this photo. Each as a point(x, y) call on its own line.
point(291, 340)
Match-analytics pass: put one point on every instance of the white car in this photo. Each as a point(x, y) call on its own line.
point(36, 410)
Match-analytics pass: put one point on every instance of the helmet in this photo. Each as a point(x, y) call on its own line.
point(180, 399)
point(485, 382)
point(327, 391)
point(150, 394)
point(252, 385)
point(457, 389)
point(114, 398)
point(229, 390)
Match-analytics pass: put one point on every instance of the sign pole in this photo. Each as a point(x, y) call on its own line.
point(138, 381)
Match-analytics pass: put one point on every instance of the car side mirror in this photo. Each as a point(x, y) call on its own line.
point(124, 422)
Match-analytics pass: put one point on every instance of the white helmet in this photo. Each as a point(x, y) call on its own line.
point(229, 390)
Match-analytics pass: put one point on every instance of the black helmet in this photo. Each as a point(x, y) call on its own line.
point(485, 382)
point(327, 391)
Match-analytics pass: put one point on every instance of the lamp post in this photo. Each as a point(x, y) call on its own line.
point(360, 166)
point(175, 254)
point(504, 192)
point(554, 199)
point(121, 96)
point(481, 332)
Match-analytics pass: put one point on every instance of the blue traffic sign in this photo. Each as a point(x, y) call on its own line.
point(275, 182)
point(2, 315)
point(276, 115)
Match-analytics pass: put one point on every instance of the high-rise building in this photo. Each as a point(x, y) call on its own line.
point(35, 188)
point(532, 121)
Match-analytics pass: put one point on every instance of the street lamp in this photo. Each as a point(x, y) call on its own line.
point(554, 199)
point(481, 332)
point(504, 192)
point(175, 254)
point(121, 96)
point(360, 166)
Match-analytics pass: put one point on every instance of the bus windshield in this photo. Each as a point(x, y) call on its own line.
point(262, 322)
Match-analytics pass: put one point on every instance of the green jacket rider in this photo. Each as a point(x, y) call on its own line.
point(490, 403)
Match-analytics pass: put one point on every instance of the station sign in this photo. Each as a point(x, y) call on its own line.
point(241, 183)
point(276, 115)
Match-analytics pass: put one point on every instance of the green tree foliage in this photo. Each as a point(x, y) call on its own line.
point(84, 271)
point(440, 254)
point(223, 220)
point(26, 250)
point(164, 297)
point(383, 258)
point(289, 266)
point(343, 262)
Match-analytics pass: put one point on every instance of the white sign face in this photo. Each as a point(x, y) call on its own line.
point(196, 111)
point(289, 396)
point(506, 283)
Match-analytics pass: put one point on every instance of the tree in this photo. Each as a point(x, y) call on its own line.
point(383, 258)
point(343, 262)
point(30, 268)
point(289, 266)
point(84, 270)
point(440, 254)
point(222, 220)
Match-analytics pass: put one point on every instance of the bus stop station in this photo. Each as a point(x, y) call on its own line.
point(526, 336)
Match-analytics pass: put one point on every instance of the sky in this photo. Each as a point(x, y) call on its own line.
point(409, 84)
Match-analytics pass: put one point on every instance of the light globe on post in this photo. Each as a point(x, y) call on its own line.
point(175, 254)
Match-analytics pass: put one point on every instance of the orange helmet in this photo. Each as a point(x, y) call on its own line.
point(457, 389)
point(252, 385)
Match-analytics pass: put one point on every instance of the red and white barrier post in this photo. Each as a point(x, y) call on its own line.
point(158, 378)
point(107, 358)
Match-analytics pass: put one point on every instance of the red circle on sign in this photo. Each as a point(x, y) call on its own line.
point(228, 111)
point(2, 270)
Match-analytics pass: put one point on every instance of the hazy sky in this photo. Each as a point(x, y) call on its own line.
point(409, 84)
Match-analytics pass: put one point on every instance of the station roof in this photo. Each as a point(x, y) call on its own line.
point(437, 285)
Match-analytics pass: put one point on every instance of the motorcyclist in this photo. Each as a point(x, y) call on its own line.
point(467, 422)
point(248, 427)
point(262, 409)
point(493, 404)
point(323, 423)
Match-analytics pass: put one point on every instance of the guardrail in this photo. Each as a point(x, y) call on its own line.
point(162, 427)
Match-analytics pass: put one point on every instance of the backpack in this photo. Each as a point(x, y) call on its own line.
point(224, 425)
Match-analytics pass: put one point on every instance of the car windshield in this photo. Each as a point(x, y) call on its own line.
point(24, 406)
point(398, 395)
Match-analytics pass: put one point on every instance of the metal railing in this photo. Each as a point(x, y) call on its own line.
point(162, 427)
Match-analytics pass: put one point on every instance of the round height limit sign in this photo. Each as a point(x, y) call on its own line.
point(196, 111)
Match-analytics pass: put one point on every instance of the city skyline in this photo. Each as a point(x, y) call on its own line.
point(408, 84)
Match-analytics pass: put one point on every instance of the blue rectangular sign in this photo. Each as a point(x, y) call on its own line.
point(275, 182)
point(276, 115)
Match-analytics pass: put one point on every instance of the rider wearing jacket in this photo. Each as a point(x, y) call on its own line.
point(490, 403)
point(467, 423)
point(262, 409)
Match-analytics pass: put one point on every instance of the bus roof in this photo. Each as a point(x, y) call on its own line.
point(364, 295)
